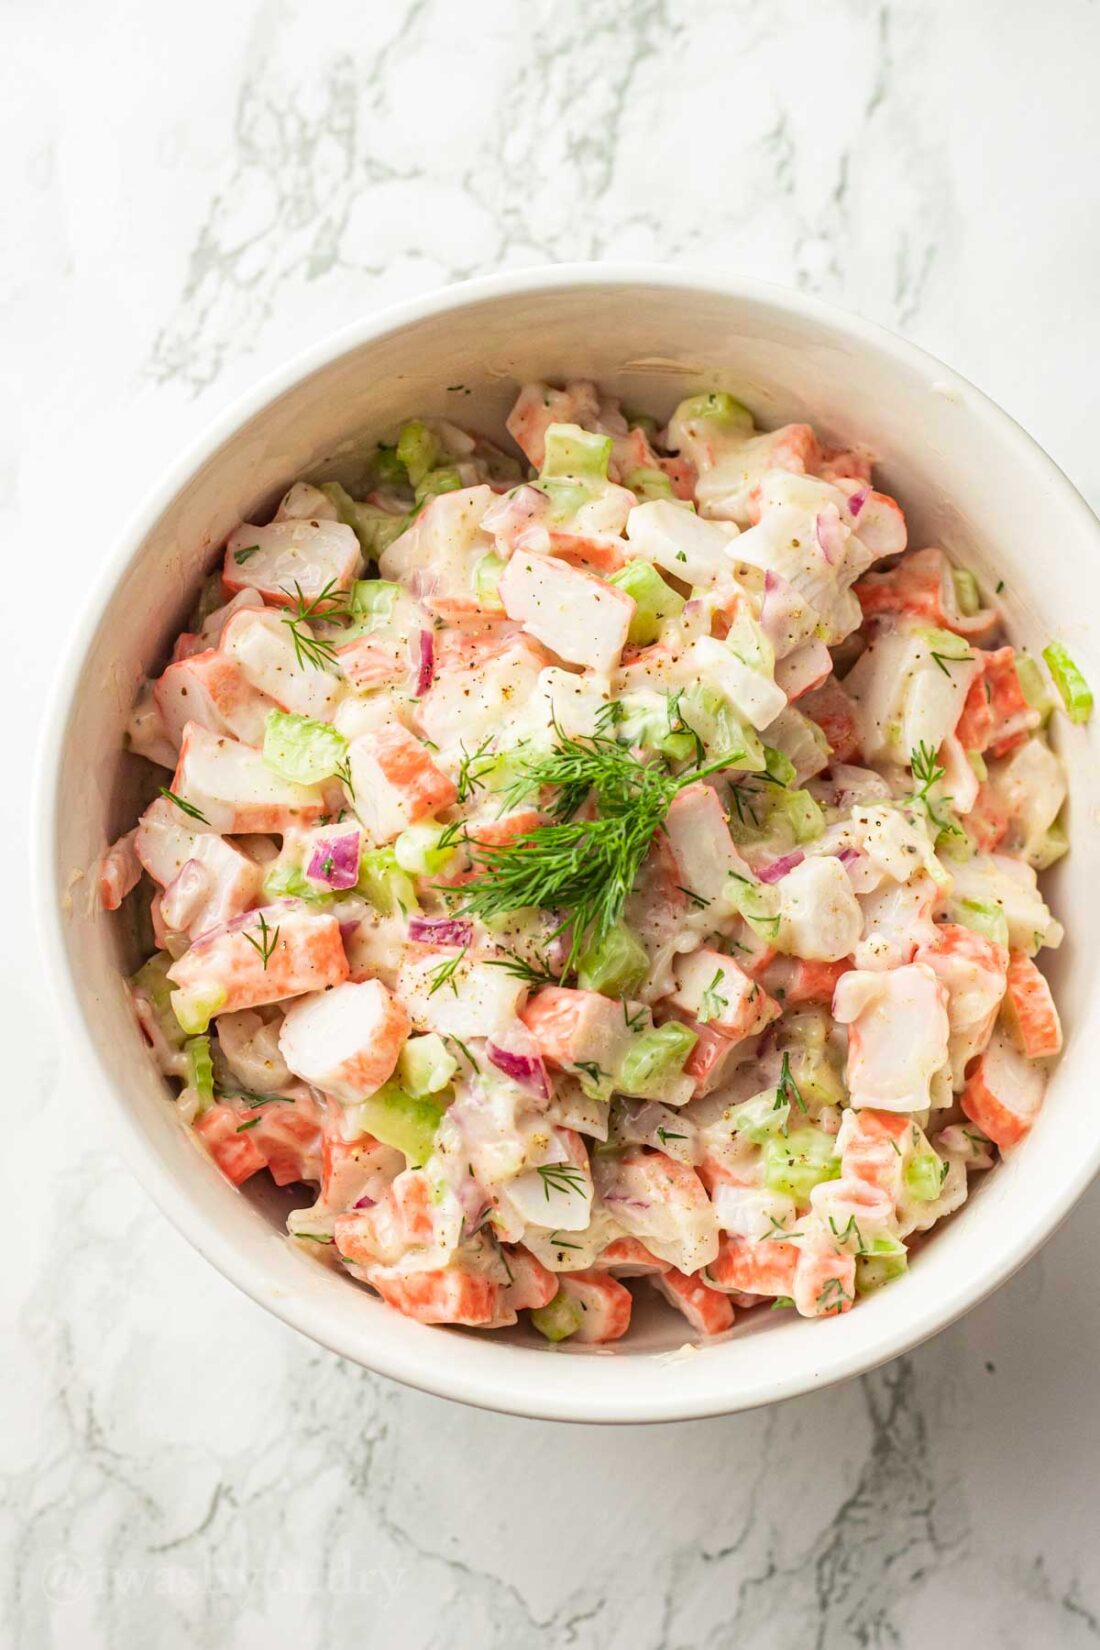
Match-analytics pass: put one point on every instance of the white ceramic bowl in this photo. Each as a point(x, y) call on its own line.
point(968, 478)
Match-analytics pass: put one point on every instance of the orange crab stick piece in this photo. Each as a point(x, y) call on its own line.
point(707, 1310)
point(1032, 1016)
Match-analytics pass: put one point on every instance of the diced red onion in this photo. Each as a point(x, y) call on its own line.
point(525, 1069)
point(779, 867)
point(857, 500)
point(441, 930)
point(364, 1203)
point(830, 534)
point(846, 855)
point(347, 929)
point(335, 861)
point(426, 667)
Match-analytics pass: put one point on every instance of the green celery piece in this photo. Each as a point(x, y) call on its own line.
point(1074, 690)
point(560, 1319)
point(372, 602)
point(571, 451)
point(406, 1122)
point(885, 1261)
point(718, 407)
point(487, 581)
point(982, 917)
point(425, 1065)
point(443, 480)
point(924, 1177)
point(646, 483)
point(654, 1058)
point(654, 600)
point(300, 749)
point(797, 1162)
point(152, 979)
point(418, 450)
point(195, 1009)
point(200, 1069)
point(616, 965)
point(967, 594)
point(385, 469)
point(417, 850)
point(382, 881)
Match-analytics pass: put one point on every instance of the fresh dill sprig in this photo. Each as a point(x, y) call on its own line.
point(942, 660)
point(268, 940)
point(927, 773)
point(560, 1177)
point(184, 806)
point(712, 1001)
point(471, 777)
point(317, 652)
point(583, 868)
point(531, 974)
point(787, 1088)
point(342, 771)
point(664, 1135)
point(241, 556)
point(444, 973)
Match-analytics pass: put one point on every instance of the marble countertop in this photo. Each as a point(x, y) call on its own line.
point(192, 194)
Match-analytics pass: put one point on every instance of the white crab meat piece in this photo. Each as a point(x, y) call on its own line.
point(211, 688)
point(262, 644)
point(680, 542)
point(345, 1041)
point(578, 616)
point(234, 790)
point(286, 559)
point(897, 1037)
point(819, 915)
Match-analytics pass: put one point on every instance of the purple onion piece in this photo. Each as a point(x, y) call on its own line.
point(426, 666)
point(846, 855)
point(347, 929)
point(335, 861)
point(857, 500)
point(441, 930)
point(829, 535)
point(525, 1069)
point(364, 1203)
point(779, 867)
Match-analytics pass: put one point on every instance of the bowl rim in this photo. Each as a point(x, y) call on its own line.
point(427, 1370)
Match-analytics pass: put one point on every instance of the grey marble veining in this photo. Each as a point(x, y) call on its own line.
point(191, 197)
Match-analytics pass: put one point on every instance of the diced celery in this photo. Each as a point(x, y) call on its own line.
point(924, 1176)
point(1033, 685)
point(1052, 847)
point(616, 965)
point(425, 1066)
point(300, 749)
point(566, 496)
point(647, 483)
point(560, 1319)
point(797, 1162)
point(418, 450)
point(382, 881)
point(401, 1120)
point(986, 919)
point(801, 811)
point(373, 527)
point(195, 1009)
point(758, 903)
point(654, 600)
point(200, 1069)
point(571, 451)
point(641, 421)
point(721, 729)
point(487, 581)
point(282, 881)
point(967, 594)
point(417, 850)
point(977, 763)
point(386, 469)
point(885, 1260)
point(372, 602)
point(152, 980)
point(444, 480)
point(779, 766)
point(1075, 691)
point(761, 1117)
point(718, 406)
point(654, 1058)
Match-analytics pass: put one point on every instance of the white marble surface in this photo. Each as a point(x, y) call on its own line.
point(192, 192)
